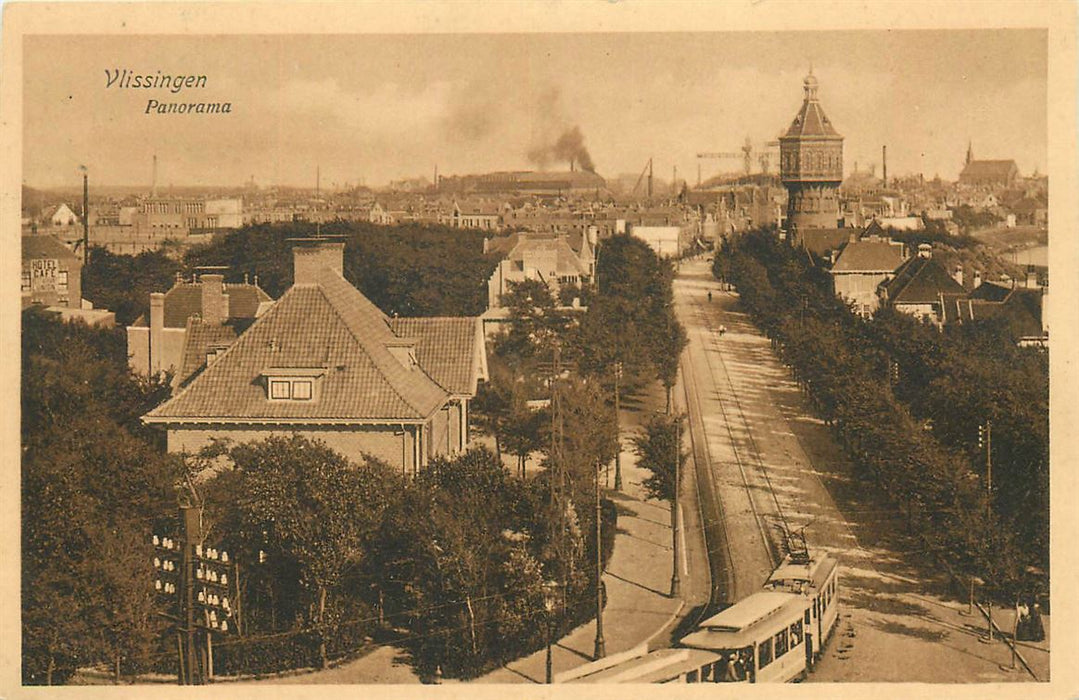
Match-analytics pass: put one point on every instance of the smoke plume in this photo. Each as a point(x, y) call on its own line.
point(568, 147)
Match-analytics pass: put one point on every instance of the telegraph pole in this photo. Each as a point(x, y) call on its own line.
point(195, 582)
point(190, 521)
point(618, 428)
point(85, 214)
point(676, 581)
point(601, 643)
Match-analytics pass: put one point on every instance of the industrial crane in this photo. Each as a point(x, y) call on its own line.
point(745, 154)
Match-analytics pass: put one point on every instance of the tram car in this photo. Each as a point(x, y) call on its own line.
point(773, 635)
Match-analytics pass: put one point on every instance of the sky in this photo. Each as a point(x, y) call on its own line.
point(374, 108)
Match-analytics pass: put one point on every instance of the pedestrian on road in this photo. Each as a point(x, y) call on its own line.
point(709, 295)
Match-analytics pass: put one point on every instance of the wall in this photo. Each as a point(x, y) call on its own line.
point(352, 441)
point(860, 288)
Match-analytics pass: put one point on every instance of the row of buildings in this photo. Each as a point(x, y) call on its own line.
point(871, 270)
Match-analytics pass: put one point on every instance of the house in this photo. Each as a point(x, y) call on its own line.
point(52, 277)
point(922, 288)
point(862, 266)
point(51, 273)
point(666, 241)
point(1022, 308)
point(482, 215)
point(191, 323)
point(326, 363)
point(546, 257)
point(62, 215)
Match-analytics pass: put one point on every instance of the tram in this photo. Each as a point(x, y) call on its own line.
point(773, 635)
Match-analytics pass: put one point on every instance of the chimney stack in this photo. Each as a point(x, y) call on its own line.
point(959, 274)
point(310, 256)
point(977, 278)
point(215, 303)
point(157, 330)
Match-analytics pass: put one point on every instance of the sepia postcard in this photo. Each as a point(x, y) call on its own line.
point(426, 348)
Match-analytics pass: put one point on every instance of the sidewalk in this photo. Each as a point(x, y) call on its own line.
point(638, 577)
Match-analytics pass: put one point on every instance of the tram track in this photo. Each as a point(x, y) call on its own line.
point(717, 539)
point(754, 450)
point(737, 452)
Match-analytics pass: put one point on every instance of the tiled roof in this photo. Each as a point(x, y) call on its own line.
point(244, 299)
point(329, 325)
point(518, 246)
point(811, 121)
point(989, 168)
point(200, 337)
point(446, 348)
point(921, 281)
point(869, 256)
point(991, 291)
point(821, 240)
point(184, 300)
point(42, 246)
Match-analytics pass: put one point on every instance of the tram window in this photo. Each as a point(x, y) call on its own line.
point(781, 643)
point(691, 677)
point(796, 633)
point(706, 673)
point(764, 653)
point(807, 618)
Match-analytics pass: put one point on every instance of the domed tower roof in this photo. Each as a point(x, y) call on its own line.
point(810, 120)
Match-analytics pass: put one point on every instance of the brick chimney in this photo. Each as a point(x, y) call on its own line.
point(309, 257)
point(977, 278)
point(959, 274)
point(215, 303)
point(157, 330)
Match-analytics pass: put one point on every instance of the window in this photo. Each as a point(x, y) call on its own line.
point(280, 389)
point(781, 643)
point(26, 280)
point(301, 390)
point(807, 618)
point(764, 653)
point(61, 280)
point(691, 677)
point(796, 633)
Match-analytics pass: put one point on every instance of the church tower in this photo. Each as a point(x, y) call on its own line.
point(811, 165)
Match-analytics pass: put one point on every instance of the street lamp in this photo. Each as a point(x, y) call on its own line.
point(550, 601)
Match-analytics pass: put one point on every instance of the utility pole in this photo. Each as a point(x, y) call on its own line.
point(195, 583)
point(676, 582)
point(85, 215)
point(650, 178)
point(617, 427)
point(601, 644)
point(190, 518)
point(985, 439)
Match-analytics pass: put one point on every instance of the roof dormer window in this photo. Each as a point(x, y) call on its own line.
point(293, 383)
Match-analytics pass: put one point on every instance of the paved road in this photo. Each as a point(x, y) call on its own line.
point(772, 461)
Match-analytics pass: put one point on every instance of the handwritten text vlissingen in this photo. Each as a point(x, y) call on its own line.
point(125, 79)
